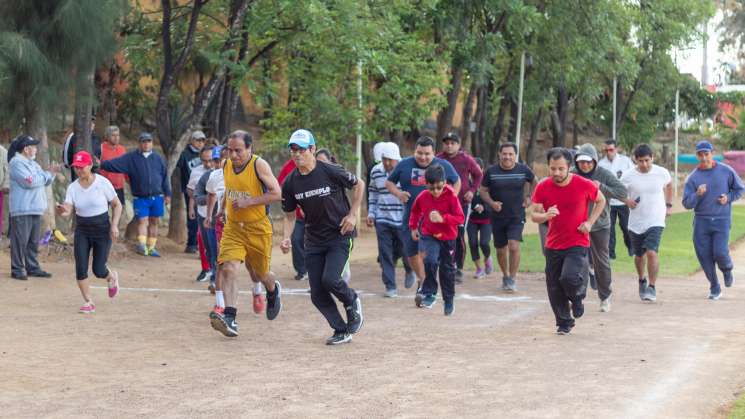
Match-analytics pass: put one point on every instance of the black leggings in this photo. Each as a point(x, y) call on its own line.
point(479, 235)
point(92, 233)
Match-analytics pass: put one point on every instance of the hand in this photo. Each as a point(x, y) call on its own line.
point(168, 200)
point(208, 222)
point(244, 202)
point(285, 246)
point(370, 222)
point(552, 212)
point(404, 197)
point(435, 217)
point(415, 235)
point(723, 199)
point(468, 196)
point(631, 203)
point(479, 208)
point(701, 190)
point(496, 206)
point(220, 216)
point(192, 214)
point(114, 232)
point(584, 227)
point(60, 209)
point(348, 223)
point(55, 168)
point(668, 212)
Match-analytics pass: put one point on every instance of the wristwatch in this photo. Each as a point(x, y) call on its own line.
point(669, 205)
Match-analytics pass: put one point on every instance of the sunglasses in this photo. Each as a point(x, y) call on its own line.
point(294, 148)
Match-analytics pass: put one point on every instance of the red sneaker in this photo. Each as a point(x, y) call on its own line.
point(259, 303)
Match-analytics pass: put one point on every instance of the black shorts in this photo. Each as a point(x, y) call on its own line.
point(649, 240)
point(505, 229)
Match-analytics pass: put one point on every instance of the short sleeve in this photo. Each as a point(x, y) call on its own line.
point(529, 175)
point(289, 203)
point(107, 188)
point(538, 194)
point(341, 176)
point(211, 186)
point(70, 195)
point(485, 179)
point(666, 176)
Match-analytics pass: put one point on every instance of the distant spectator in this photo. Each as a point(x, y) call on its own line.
point(188, 160)
point(111, 149)
point(4, 182)
point(71, 145)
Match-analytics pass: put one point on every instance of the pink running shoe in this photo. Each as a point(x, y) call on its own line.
point(259, 303)
point(479, 273)
point(114, 284)
point(87, 308)
point(488, 266)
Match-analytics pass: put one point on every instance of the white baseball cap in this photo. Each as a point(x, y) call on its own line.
point(391, 151)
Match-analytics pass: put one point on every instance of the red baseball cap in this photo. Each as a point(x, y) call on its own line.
point(82, 159)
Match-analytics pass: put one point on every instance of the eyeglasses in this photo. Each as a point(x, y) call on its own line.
point(206, 160)
point(296, 149)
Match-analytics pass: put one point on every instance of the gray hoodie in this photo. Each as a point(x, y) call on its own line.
point(610, 186)
point(27, 182)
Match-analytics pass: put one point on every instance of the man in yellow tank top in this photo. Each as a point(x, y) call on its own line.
point(250, 186)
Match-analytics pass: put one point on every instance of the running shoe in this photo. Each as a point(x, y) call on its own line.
point(715, 292)
point(40, 274)
point(563, 330)
point(418, 299)
point(274, 301)
point(593, 281)
point(428, 301)
point(303, 277)
point(409, 279)
point(578, 309)
point(259, 303)
point(114, 284)
point(190, 249)
point(225, 325)
point(339, 338)
point(643, 284)
point(354, 316)
point(141, 249)
point(217, 310)
point(203, 275)
point(458, 276)
point(509, 284)
point(391, 293)
point(153, 252)
point(488, 266)
point(605, 305)
point(650, 294)
point(88, 308)
point(211, 287)
point(479, 273)
point(449, 308)
point(728, 278)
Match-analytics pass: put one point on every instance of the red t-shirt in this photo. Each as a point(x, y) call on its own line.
point(573, 202)
point(285, 171)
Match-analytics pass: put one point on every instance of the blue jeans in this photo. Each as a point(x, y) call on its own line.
point(711, 240)
point(390, 239)
point(438, 255)
point(298, 247)
point(209, 238)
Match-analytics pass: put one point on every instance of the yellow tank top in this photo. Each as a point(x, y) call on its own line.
point(244, 184)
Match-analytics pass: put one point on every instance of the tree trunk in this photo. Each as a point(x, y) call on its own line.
point(480, 119)
point(559, 117)
point(445, 117)
point(465, 129)
point(177, 213)
point(532, 142)
point(84, 111)
point(37, 128)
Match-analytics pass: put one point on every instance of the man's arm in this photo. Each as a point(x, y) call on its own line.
point(372, 200)
point(117, 165)
point(690, 197)
point(28, 178)
point(476, 175)
point(538, 215)
point(597, 209)
point(398, 193)
point(668, 198)
point(358, 193)
point(613, 187)
point(288, 226)
point(736, 187)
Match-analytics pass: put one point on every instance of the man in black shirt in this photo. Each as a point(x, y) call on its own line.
point(318, 189)
point(505, 188)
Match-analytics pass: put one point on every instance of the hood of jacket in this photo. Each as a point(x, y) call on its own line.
point(586, 150)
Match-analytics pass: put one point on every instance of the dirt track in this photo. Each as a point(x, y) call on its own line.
point(152, 353)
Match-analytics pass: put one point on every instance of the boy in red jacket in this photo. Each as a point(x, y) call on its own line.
point(435, 217)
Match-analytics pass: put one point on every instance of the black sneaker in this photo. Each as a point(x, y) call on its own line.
point(354, 316)
point(203, 276)
point(274, 302)
point(563, 330)
point(458, 276)
point(578, 309)
point(593, 281)
point(19, 277)
point(224, 324)
point(418, 298)
point(40, 274)
point(338, 338)
point(728, 278)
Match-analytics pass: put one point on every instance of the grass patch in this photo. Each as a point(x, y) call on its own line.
point(676, 249)
point(738, 410)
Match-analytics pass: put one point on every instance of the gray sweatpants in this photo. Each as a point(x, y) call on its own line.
point(24, 244)
point(600, 261)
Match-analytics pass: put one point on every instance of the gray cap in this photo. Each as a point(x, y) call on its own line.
point(197, 135)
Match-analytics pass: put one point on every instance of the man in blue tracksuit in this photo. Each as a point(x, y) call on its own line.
point(148, 178)
point(710, 190)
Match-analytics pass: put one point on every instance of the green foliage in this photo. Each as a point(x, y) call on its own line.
point(735, 138)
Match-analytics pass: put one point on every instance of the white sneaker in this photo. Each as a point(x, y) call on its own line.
point(605, 305)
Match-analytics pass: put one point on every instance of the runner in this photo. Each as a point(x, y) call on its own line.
point(470, 176)
point(385, 212)
point(250, 187)
point(148, 177)
point(406, 182)
point(215, 189)
point(650, 194)
point(710, 190)
point(197, 191)
point(586, 165)
point(617, 163)
point(437, 212)
point(506, 190)
point(563, 200)
point(479, 232)
point(318, 189)
point(90, 196)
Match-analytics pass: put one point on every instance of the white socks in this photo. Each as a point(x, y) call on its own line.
point(219, 299)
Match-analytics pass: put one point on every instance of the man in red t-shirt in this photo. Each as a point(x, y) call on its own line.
point(563, 200)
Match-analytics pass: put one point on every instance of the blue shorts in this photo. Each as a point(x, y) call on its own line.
point(410, 248)
point(151, 206)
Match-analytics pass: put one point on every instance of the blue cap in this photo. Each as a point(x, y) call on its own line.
point(302, 138)
point(216, 152)
point(704, 145)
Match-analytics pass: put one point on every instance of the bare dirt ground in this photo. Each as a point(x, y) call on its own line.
point(152, 353)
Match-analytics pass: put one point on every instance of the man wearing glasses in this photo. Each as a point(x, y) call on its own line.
point(617, 163)
point(318, 189)
point(188, 160)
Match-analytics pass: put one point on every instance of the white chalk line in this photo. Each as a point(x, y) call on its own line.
point(306, 292)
